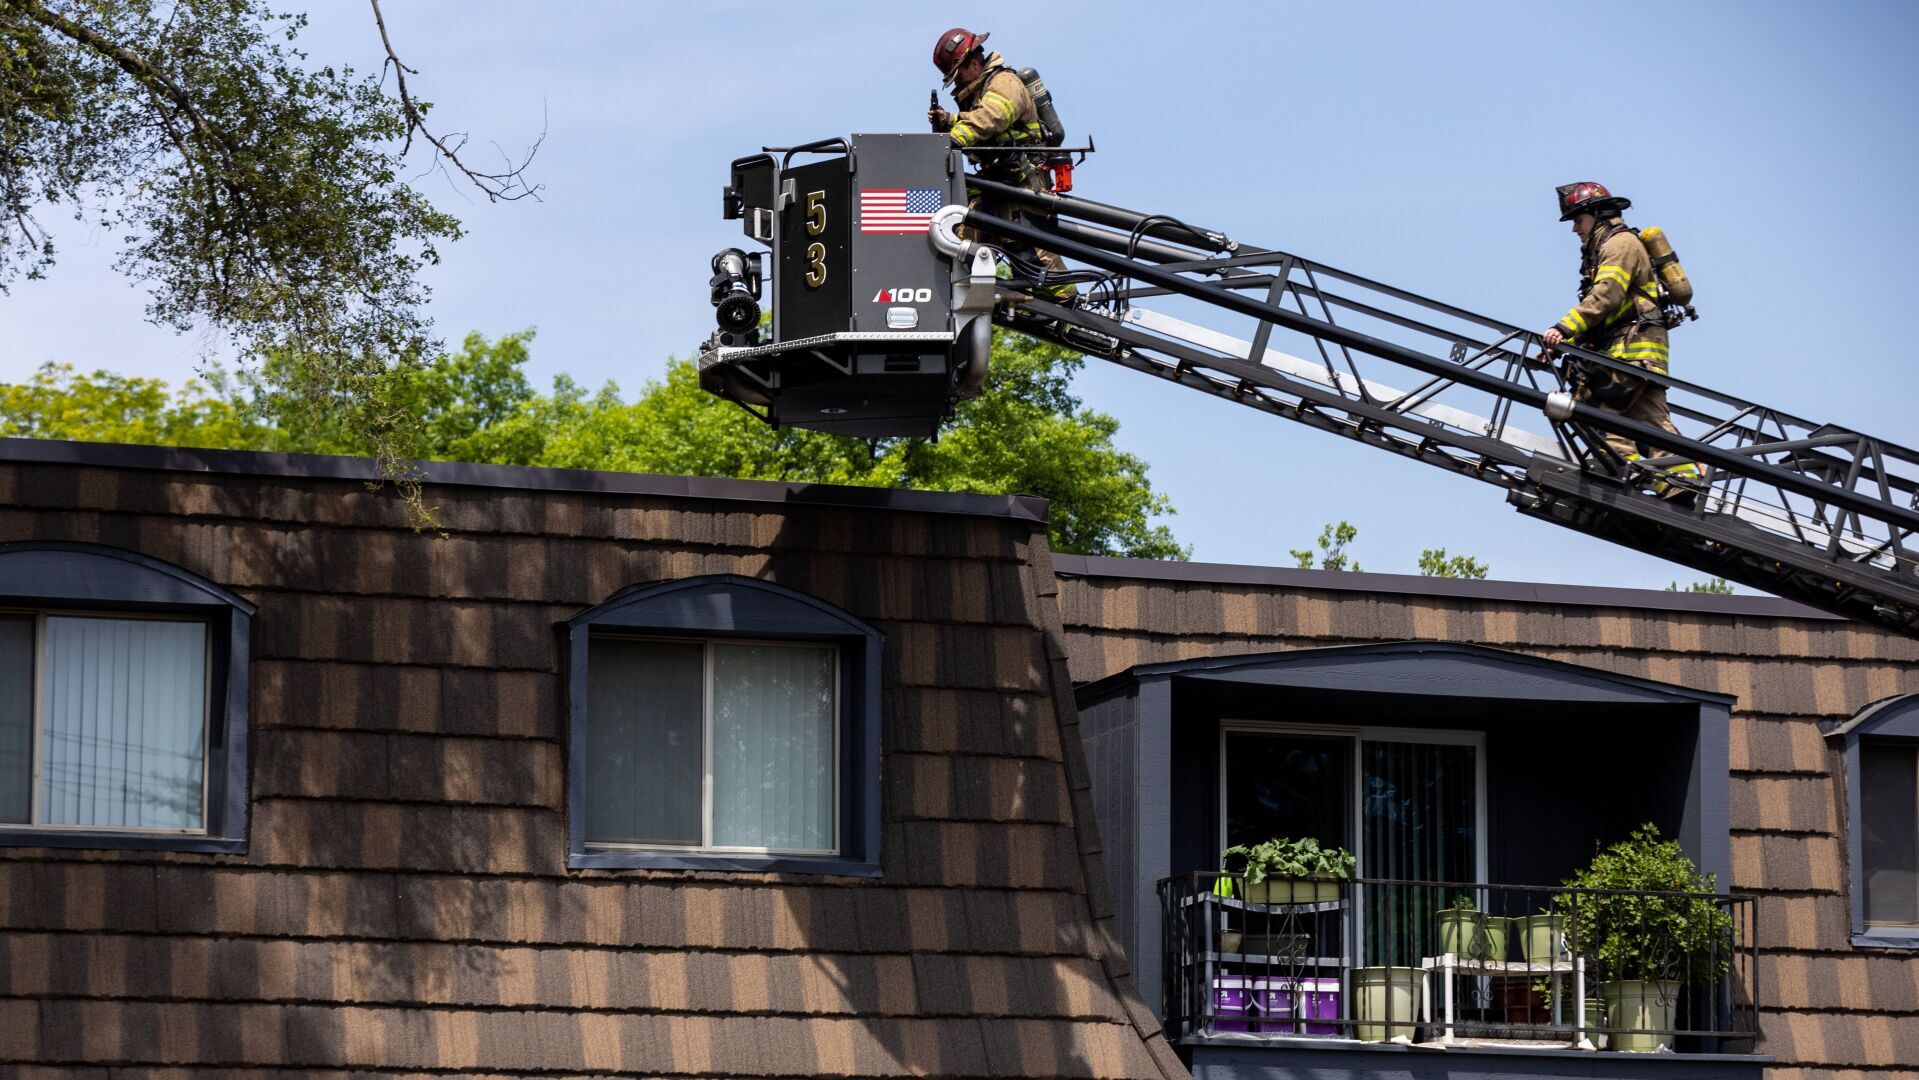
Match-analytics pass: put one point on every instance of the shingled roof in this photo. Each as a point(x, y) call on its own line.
point(1829, 1008)
point(404, 904)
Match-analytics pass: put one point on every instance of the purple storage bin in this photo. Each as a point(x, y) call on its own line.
point(1239, 1001)
point(1232, 997)
point(1318, 999)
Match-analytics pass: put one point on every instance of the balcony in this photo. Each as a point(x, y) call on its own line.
point(1302, 964)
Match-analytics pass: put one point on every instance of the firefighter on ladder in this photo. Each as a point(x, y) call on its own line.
point(996, 111)
point(1619, 314)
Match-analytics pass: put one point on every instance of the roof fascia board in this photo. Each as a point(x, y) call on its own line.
point(1103, 566)
point(517, 478)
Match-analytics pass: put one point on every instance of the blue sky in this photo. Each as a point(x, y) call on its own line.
point(1413, 143)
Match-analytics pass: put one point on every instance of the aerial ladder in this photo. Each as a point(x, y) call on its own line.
point(886, 288)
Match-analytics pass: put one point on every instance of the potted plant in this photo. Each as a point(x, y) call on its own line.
point(1647, 940)
point(1542, 937)
point(1471, 934)
point(1284, 871)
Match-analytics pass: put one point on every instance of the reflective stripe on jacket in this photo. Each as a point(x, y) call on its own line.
point(996, 110)
point(1619, 313)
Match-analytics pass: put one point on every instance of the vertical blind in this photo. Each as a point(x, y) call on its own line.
point(773, 720)
point(125, 723)
point(1418, 811)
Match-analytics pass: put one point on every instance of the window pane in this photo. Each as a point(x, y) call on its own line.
point(125, 707)
point(773, 721)
point(1889, 835)
point(16, 718)
point(643, 767)
point(1287, 785)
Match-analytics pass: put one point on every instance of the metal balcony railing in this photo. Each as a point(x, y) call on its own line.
point(1458, 963)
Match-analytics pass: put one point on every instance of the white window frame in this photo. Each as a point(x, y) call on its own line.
point(38, 742)
point(706, 845)
point(1361, 734)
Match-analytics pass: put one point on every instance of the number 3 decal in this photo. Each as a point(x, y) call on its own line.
point(815, 265)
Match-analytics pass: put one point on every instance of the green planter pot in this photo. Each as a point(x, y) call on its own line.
point(1316, 890)
point(1640, 1003)
point(1542, 938)
point(1472, 935)
point(1382, 993)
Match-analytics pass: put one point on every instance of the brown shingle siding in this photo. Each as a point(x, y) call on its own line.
point(404, 903)
point(610, 979)
point(1796, 863)
point(943, 720)
point(1777, 745)
point(1786, 804)
point(1863, 983)
point(962, 788)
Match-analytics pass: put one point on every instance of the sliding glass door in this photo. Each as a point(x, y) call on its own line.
point(1407, 802)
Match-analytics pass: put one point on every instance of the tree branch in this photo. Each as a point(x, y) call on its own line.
point(499, 187)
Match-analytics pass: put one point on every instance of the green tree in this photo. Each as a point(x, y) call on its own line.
point(1718, 586)
point(1331, 551)
point(254, 191)
point(57, 402)
point(448, 403)
point(1434, 562)
point(1028, 434)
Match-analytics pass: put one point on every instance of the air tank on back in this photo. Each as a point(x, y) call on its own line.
point(1043, 105)
point(1672, 276)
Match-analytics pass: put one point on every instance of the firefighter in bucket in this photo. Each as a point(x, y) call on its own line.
point(997, 111)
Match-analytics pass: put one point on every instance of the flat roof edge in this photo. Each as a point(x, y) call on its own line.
point(518, 478)
point(1523, 592)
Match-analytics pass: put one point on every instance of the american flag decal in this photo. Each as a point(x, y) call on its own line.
point(898, 210)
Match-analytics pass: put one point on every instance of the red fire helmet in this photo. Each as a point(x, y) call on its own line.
point(1587, 197)
point(953, 48)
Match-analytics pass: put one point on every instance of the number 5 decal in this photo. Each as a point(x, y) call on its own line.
point(815, 213)
point(815, 265)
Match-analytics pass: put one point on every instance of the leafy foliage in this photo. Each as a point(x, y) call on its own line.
point(253, 191)
point(1286, 858)
point(1664, 927)
point(1434, 562)
point(1718, 586)
point(1027, 434)
point(58, 403)
point(1331, 550)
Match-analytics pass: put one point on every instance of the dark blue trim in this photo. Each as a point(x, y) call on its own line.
point(95, 573)
point(1415, 667)
point(62, 574)
point(727, 604)
point(1893, 719)
point(1307, 1059)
